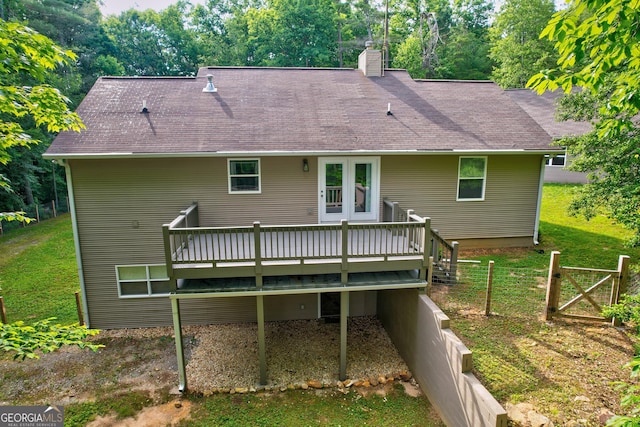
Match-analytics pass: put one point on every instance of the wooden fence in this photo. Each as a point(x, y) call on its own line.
point(581, 292)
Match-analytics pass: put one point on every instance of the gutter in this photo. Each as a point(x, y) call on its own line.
point(76, 240)
point(536, 228)
point(310, 153)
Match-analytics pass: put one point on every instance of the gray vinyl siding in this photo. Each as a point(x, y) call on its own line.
point(428, 184)
point(122, 204)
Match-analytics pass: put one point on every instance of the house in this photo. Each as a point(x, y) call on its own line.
point(542, 108)
point(234, 146)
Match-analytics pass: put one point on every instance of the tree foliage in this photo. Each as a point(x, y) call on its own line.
point(516, 48)
point(26, 52)
point(598, 43)
point(43, 336)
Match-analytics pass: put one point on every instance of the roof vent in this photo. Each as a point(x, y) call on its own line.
point(210, 87)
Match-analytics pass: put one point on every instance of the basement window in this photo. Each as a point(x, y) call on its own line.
point(472, 176)
point(244, 176)
point(142, 280)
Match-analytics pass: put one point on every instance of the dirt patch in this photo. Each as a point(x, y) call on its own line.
point(168, 414)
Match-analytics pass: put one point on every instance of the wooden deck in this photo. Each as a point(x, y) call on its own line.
point(259, 252)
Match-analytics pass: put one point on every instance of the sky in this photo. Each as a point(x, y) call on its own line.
point(114, 7)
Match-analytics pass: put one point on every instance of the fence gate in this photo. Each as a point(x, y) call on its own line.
point(583, 291)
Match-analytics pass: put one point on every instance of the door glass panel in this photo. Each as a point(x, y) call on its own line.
point(333, 188)
point(362, 187)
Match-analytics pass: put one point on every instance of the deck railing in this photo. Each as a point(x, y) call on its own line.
point(445, 254)
point(193, 251)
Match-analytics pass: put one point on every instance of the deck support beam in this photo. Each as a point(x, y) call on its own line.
point(177, 330)
point(262, 354)
point(344, 315)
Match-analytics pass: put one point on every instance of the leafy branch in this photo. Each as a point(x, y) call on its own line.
point(43, 336)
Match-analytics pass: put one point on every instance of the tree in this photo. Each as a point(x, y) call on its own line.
point(516, 48)
point(411, 36)
point(29, 57)
point(598, 43)
point(465, 54)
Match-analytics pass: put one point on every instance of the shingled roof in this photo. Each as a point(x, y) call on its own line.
point(542, 109)
point(291, 110)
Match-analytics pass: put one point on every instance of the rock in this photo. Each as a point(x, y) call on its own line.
point(242, 390)
point(232, 391)
point(339, 384)
point(581, 399)
point(604, 416)
point(348, 384)
point(305, 386)
point(405, 376)
point(291, 387)
point(366, 383)
point(374, 382)
point(358, 383)
point(382, 379)
point(390, 378)
point(314, 384)
point(524, 414)
point(178, 405)
point(539, 420)
point(283, 388)
point(252, 390)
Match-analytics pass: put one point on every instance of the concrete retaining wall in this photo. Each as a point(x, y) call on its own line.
point(438, 360)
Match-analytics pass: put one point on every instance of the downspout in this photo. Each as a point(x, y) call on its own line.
point(536, 228)
point(76, 240)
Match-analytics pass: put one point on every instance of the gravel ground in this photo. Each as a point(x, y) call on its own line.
point(298, 351)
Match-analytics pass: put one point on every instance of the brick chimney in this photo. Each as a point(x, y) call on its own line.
point(370, 61)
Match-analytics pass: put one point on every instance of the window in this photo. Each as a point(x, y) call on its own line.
point(472, 174)
point(244, 176)
point(558, 160)
point(142, 280)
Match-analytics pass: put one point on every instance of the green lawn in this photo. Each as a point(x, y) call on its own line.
point(38, 272)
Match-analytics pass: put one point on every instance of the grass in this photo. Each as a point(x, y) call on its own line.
point(596, 243)
point(38, 272)
point(326, 408)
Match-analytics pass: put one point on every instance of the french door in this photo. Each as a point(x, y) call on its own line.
point(348, 188)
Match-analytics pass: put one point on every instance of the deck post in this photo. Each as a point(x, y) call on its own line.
point(435, 249)
point(344, 315)
point(177, 330)
point(426, 236)
point(258, 253)
point(167, 249)
point(429, 277)
point(262, 354)
point(453, 261)
point(344, 274)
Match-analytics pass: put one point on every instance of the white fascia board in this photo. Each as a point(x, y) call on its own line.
point(129, 155)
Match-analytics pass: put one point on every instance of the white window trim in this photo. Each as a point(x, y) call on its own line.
point(484, 179)
point(259, 175)
point(549, 160)
point(147, 279)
